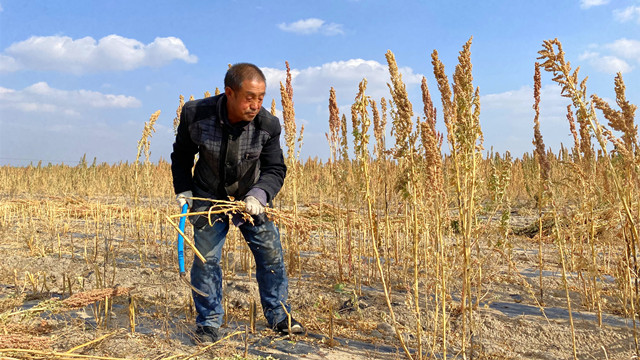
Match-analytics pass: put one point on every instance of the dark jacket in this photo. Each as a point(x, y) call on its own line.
point(233, 159)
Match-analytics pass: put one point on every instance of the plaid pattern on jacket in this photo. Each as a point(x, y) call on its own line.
point(232, 159)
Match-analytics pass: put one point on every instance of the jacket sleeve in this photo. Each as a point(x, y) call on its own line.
point(184, 150)
point(272, 167)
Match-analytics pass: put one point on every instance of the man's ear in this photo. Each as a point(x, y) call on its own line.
point(228, 90)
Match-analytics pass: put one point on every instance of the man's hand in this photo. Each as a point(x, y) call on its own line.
point(185, 198)
point(253, 205)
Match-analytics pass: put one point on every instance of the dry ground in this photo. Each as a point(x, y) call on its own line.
point(508, 324)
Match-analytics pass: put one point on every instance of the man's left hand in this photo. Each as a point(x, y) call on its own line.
point(253, 205)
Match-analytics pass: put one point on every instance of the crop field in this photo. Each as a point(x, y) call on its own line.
point(423, 245)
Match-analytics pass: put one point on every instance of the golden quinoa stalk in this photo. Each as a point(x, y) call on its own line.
point(383, 125)
point(361, 122)
point(402, 123)
point(546, 192)
point(446, 96)
point(461, 111)
point(147, 132)
point(334, 125)
point(626, 192)
point(333, 138)
point(290, 132)
point(574, 133)
point(561, 69)
point(541, 155)
point(437, 207)
point(288, 115)
point(537, 135)
point(378, 131)
point(143, 147)
point(432, 142)
point(622, 120)
point(344, 140)
point(176, 120)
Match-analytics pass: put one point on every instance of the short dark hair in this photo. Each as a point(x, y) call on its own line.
point(241, 72)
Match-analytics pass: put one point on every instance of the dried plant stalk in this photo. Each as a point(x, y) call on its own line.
point(461, 111)
point(176, 120)
point(402, 123)
point(361, 122)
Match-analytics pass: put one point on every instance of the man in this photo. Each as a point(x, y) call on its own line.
point(238, 143)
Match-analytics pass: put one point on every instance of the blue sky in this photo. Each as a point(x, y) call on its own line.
point(83, 76)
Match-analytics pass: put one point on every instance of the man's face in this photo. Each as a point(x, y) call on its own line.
point(245, 103)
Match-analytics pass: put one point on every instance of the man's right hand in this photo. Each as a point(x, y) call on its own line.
point(185, 198)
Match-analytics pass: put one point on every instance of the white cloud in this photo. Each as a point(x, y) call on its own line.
point(585, 4)
point(520, 101)
point(606, 63)
point(40, 97)
point(626, 48)
point(111, 53)
point(163, 50)
point(41, 122)
point(621, 55)
point(507, 119)
point(312, 26)
point(312, 85)
point(8, 64)
point(628, 14)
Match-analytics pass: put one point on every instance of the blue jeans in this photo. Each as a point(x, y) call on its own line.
point(264, 242)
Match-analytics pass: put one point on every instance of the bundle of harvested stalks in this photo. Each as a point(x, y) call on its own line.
point(75, 301)
point(48, 355)
point(231, 207)
point(80, 300)
point(24, 341)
